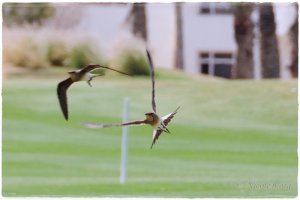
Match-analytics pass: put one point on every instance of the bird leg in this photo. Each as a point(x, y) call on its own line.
point(89, 82)
point(93, 76)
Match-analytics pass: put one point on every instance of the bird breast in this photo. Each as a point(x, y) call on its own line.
point(155, 122)
point(86, 77)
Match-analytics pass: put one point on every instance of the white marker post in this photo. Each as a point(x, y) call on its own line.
point(124, 143)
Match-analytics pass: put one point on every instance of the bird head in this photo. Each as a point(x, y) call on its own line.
point(150, 116)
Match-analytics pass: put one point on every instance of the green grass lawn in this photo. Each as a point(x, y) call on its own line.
point(229, 138)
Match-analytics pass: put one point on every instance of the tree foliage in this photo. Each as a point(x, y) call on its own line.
point(134, 63)
point(22, 13)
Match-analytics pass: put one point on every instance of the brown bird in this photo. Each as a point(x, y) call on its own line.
point(83, 74)
point(158, 123)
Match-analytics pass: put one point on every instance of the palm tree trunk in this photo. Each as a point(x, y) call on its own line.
point(243, 28)
point(269, 47)
point(294, 41)
point(139, 20)
point(179, 37)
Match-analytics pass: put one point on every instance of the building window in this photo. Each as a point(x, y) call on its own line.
point(216, 63)
point(216, 8)
point(205, 8)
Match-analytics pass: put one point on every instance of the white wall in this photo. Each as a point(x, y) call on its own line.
point(205, 32)
point(161, 33)
point(285, 15)
point(105, 23)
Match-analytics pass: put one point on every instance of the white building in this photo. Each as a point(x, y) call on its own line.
point(209, 46)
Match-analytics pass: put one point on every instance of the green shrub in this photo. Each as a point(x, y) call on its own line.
point(57, 53)
point(135, 63)
point(82, 55)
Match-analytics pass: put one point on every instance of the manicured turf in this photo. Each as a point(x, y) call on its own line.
point(229, 139)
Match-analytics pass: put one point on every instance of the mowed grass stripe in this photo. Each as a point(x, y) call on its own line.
point(226, 136)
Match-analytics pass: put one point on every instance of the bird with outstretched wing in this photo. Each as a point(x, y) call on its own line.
point(83, 74)
point(158, 123)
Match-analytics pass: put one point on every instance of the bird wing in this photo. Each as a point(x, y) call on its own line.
point(100, 125)
point(152, 79)
point(92, 67)
point(155, 136)
point(115, 70)
point(89, 68)
point(62, 88)
point(166, 119)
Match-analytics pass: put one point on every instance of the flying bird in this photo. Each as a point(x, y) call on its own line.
point(158, 123)
point(83, 74)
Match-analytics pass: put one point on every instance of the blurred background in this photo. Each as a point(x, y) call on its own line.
point(227, 40)
point(222, 63)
